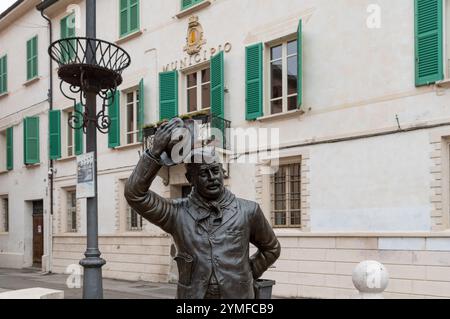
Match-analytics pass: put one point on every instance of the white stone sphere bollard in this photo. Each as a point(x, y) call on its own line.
point(371, 279)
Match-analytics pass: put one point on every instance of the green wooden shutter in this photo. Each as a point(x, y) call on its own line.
point(63, 28)
point(54, 129)
point(71, 34)
point(9, 149)
point(189, 3)
point(168, 95)
point(114, 115)
point(300, 65)
point(134, 15)
point(68, 31)
point(79, 134)
point(3, 74)
point(129, 16)
point(35, 56)
point(217, 94)
point(141, 109)
point(186, 4)
point(29, 62)
point(217, 85)
point(32, 58)
point(254, 81)
point(31, 140)
point(429, 41)
point(123, 17)
point(64, 48)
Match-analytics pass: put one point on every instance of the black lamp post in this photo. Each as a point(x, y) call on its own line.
point(92, 68)
point(92, 264)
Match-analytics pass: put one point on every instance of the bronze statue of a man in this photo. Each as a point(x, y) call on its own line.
point(211, 228)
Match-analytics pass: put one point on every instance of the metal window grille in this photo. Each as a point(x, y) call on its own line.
point(5, 225)
point(286, 196)
point(72, 212)
point(134, 220)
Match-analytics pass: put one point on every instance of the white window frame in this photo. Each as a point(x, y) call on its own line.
point(65, 129)
point(124, 124)
point(268, 61)
point(69, 132)
point(70, 210)
point(199, 86)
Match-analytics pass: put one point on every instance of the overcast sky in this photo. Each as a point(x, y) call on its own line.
point(4, 4)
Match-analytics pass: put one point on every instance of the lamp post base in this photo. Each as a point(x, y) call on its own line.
point(92, 278)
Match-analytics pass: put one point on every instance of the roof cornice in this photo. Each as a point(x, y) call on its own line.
point(11, 8)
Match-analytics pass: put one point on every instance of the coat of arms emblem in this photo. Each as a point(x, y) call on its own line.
point(194, 40)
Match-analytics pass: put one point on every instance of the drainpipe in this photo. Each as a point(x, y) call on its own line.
point(51, 162)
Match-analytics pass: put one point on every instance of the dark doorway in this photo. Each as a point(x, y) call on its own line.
point(38, 232)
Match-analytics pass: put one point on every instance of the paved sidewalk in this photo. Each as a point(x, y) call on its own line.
point(14, 279)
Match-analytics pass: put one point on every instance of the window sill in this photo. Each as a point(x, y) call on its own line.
point(4, 172)
point(31, 166)
point(129, 37)
point(66, 159)
point(4, 94)
point(124, 147)
point(133, 233)
point(281, 116)
point(444, 83)
point(193, 9)
point(4, 234)
point(206, 110)
point(31, 81)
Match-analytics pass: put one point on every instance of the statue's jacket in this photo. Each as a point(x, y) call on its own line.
point(223, 249)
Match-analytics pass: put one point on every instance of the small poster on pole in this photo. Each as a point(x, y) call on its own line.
point(85, 176)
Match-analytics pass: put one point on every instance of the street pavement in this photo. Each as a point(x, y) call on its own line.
point(14, 279)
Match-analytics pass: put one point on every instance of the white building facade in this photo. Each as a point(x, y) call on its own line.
point(357, 91)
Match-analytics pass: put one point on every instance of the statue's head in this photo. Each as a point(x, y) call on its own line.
point(205, 173)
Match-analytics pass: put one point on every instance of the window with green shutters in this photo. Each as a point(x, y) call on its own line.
point(54, 132)
point(9, 149)
point(429, 41)
point(189, 3)
point(3, 74)
point(114, 116)
point(284, 80)
point(68, 31)
point(168, 95)
point(198, 90)
point(31, 140)
point(129, 16)
point(254, 81)
point(32, 58)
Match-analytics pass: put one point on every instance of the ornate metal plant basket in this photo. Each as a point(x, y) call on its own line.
point(89, 66)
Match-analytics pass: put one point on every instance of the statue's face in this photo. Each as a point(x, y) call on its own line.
point(207, 180)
